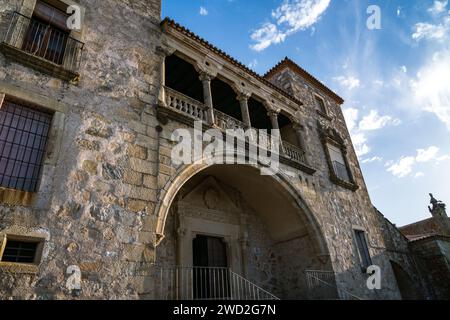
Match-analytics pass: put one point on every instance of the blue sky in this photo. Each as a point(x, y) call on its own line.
point(395, 80)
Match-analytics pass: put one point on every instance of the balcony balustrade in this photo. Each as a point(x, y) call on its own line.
point(198, 111)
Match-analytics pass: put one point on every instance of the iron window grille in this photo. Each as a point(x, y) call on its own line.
point(23, 138)
point(20, 251)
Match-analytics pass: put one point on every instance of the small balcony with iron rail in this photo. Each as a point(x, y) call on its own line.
point(42, 46)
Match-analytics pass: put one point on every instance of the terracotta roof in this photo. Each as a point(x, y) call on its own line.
point(167, 22)
point(418, 237)
point(288, 63)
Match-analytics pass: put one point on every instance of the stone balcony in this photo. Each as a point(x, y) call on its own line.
point(188, 110)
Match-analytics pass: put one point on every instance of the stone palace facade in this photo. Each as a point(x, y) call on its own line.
point(92, 205)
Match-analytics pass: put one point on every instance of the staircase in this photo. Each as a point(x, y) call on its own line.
point(322, 286)
point(204, 283)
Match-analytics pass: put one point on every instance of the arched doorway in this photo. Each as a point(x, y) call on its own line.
point(270, 236)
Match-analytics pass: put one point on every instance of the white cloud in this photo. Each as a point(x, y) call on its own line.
point(378, 82)
point(373, 121)
point(349, 82)
point(419, 175)
point(403, 167)
point(203, 11)
point(434, 31)
point(373, 159)
point(265, 36)
point(253, 64)
point(438, 7)
point(430, 31)
point(358, 138)
point(358, 128)
point(431, 89)
point(442, 159)
point(427, 155)
point(290, 17)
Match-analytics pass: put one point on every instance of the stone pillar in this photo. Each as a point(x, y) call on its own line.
point(162, 92)
point(243, 100)
point(273, 115)
point(163, 52)
point(206, 78)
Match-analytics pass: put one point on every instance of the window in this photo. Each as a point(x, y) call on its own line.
point(47, 33)
point(23, 138)
point(321, 105)
point(20, 251)
point(338, 163)
point(363, 249)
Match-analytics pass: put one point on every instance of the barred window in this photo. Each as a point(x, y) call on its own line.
point(23, 138)
point(20, 251)
point(47, 32)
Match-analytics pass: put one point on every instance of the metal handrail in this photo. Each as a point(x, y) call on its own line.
point(44, 41)
point(313, 275)
point(206, 283)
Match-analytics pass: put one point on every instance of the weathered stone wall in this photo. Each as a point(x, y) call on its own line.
point(433, 257)
point(95, 202)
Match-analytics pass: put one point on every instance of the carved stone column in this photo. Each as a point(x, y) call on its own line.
point(163, 52)
point(243, 100)
point(273, 115)
point(206, 78)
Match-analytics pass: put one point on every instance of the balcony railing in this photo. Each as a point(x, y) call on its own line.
point(293, 152)
point(42, 46)
point(204, 283)
point(197, 110)
point(185, 104)
point(226, 122)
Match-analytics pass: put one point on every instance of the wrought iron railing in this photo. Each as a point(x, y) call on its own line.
point(204, 283)
point(322, 286)
point(185, 104)
point(44, 41)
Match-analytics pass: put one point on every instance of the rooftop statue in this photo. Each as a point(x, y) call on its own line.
point(437, 208)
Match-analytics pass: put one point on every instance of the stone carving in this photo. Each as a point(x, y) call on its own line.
point(211, 198)
point(437, 208)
